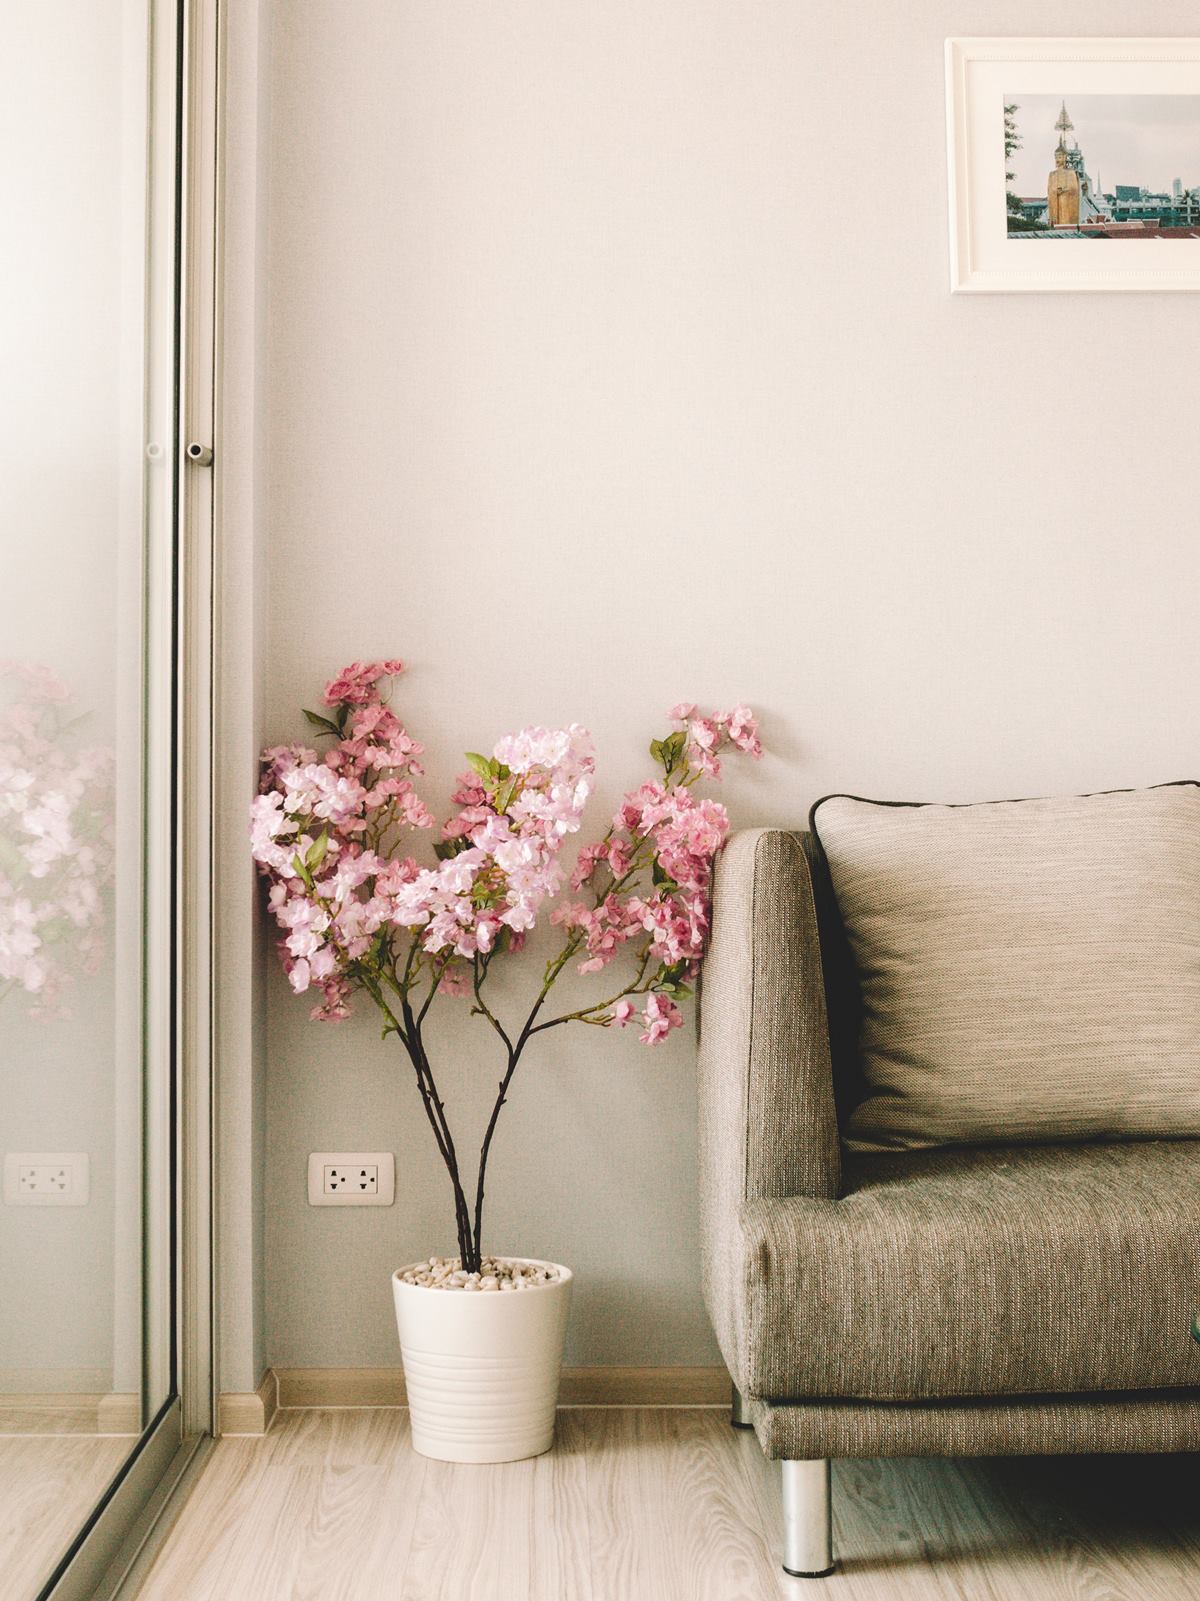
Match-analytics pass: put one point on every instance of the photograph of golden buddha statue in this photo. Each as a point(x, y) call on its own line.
point(1102, 166)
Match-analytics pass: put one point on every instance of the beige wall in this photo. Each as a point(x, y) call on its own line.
point(612, 361)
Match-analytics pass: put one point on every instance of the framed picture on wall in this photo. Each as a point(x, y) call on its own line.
point(1074, 164)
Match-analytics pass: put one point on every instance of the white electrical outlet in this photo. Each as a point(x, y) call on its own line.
point(342, 1180)
point(46, 1178)
point(351, 1178)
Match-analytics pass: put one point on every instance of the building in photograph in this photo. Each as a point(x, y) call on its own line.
point(1076, 203)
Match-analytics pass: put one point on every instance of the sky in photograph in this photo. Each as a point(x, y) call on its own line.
point(1146, 140)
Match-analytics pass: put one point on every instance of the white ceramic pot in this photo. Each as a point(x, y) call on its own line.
point(481, 1368)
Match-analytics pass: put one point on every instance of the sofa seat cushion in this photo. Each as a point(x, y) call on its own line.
point(1019, 1270)
point(1029, 970)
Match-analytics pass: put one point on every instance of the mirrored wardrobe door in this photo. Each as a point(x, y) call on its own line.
point(90, 121)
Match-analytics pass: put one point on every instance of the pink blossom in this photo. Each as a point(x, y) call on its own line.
point(455, 979)
point(707, 735)
point(334, 1006)
point(561, 751)
point(41, 683)
point(470, 817)
point(660, 1017)
point(620, 855)
point(356, 685)
point(278, 759)
point(605, 928)
point(585, 863)
point(704, 741)
point(330, 832)
point(742, 726)
point(56, 842)
point(20, 944)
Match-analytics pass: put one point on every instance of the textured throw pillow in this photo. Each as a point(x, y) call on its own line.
point(1029, 970)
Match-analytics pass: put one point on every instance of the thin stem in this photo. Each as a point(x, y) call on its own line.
point(414, 956)
point(434, 1103)
point(479, 974)
point(435, 978)
point(584, 1015)
point(435, 1111)
point(514, 1056)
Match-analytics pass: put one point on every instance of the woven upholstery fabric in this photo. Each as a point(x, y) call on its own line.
point(1029, 970)
point(1163, 1421)
point(768, 1126)
point(1015, 1270)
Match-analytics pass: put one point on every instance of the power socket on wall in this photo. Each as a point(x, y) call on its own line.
point(351, 1178)
point(46, 1178)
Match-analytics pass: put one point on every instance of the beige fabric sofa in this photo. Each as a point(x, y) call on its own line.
point(1000, 1300)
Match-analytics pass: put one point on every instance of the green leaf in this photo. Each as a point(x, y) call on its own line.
point(661, 878)
point(321, 722)
point(302, 871)
point(444, 849)
point(671, 987)
point(656, 749)
point(506, 794)
point(316, 852)
point(483, 765)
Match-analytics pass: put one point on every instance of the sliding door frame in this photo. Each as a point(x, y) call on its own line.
point(112, 1552)
point(196, 670)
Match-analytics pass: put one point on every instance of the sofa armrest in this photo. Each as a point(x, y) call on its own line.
point(768, 1124)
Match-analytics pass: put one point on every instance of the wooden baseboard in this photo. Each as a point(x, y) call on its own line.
point(249, 1411)
point(591, 1386)
point(49, 1413)
point(119, 1412)
point(707, 1386)
point(71, 1412)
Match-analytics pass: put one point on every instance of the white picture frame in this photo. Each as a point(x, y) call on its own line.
point(980, 75)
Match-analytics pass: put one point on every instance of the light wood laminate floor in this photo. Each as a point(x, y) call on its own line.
point(48, 1487)
point(661, 1505)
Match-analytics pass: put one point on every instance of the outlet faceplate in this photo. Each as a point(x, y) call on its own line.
point(46, 1178)
point(351, 1178)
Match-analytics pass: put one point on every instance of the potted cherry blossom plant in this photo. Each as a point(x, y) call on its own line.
point(481, 1336)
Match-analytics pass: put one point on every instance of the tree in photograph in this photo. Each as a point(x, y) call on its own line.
point(1012, 143)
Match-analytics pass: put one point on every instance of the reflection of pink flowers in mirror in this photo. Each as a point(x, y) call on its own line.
point(56, 840)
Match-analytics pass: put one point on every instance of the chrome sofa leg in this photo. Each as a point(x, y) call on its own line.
point(807, 1520)
point(739, 1412)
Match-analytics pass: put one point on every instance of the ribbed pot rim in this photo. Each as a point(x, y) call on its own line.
point(564, 1277)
